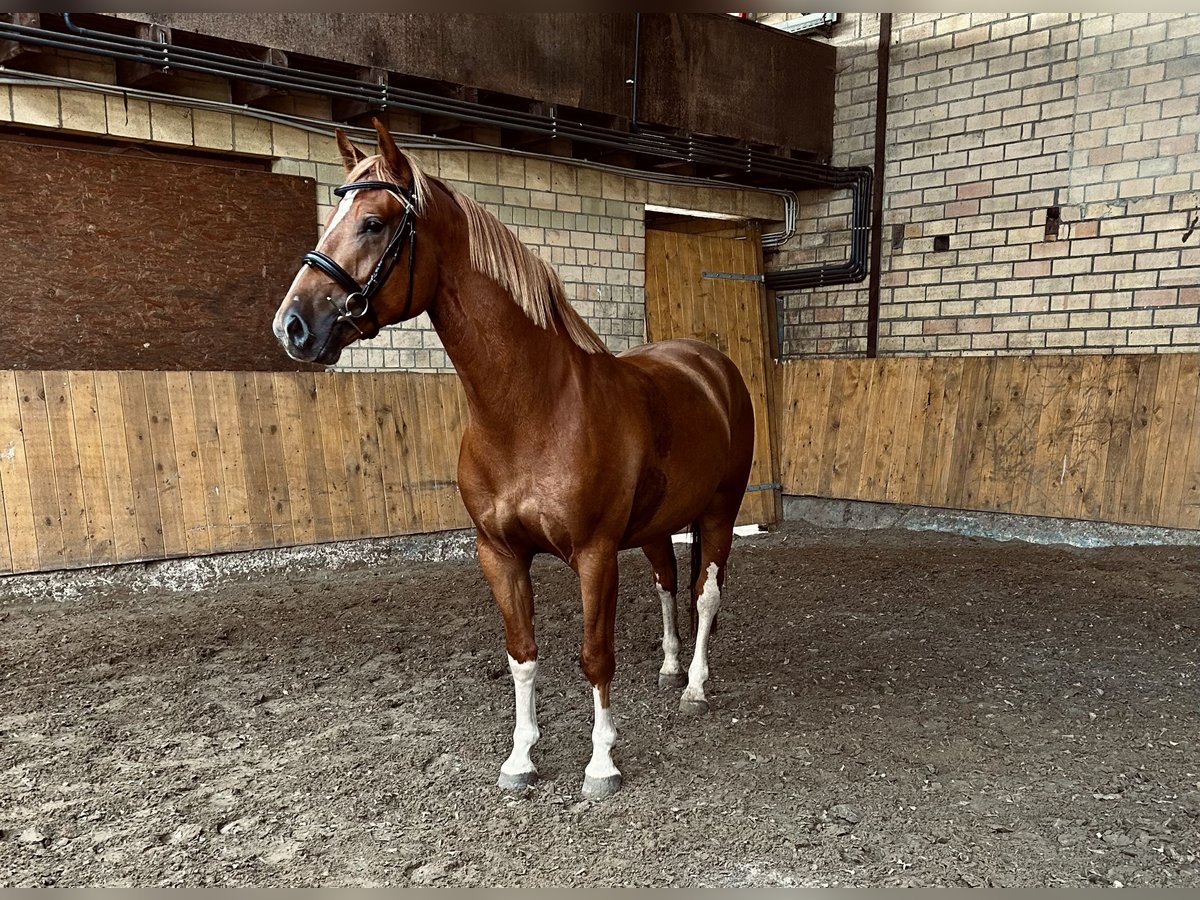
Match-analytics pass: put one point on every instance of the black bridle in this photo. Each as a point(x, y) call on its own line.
point(357, 305)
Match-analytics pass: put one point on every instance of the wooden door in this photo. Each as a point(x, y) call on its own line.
point(708, 287)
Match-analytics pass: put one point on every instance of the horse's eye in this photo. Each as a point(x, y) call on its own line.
point(372, 225)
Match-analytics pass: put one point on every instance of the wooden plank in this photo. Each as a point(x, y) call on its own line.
point(430, 455)
point(455, 409)
point(226, 401)
point(188, 467)
point(400, 387)
point(143, 476)
point(1187, 514)
point(935, 483)
point(398, 506)
point(205, 406)
point(1139, 435)
point(21, 548)
point(93, 469)
point(1089, 440)
point(321, 485)
point(904, 486)
point(843, 414)
point(39, 456)
point(166, 465)
point(352, 464)
point(1005, 433)
point(110, 410)
point(871, 459)
point(328, 417)
point(279, 504)
point(254, 463)
point(1050, 459)
point(294, 456)
point(904, 429)
point(1124, 372)
point(1158, 434)
point(1182, 435)
point(64, 462)
point(367, 430)
point(970, 444)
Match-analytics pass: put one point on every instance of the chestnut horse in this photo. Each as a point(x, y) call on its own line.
point(569, 449)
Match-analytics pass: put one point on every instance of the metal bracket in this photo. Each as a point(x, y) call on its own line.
point(766, 486)
point(734, 276)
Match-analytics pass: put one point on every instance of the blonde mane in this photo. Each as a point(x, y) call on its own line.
point(499, 254)
point(533, 284)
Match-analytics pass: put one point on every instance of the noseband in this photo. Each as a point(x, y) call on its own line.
point(357, 305)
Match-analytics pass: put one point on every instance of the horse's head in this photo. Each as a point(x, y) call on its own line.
point(366, 272)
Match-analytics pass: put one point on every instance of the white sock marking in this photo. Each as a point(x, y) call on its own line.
point(525, 733)
point(707, 605)
point(604, 735)
point(670, 642)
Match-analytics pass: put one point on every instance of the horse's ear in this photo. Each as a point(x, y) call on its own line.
point(351, 155)
point(391, 154)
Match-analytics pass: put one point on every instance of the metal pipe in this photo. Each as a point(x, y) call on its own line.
point(680, 149)
point(881, 100)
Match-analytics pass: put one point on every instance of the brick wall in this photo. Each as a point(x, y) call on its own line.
point(588, 222)
point(994, 120)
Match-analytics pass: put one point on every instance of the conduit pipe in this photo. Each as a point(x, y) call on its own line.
point(799, 174)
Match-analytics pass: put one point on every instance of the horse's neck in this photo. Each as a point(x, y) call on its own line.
point(512, 370)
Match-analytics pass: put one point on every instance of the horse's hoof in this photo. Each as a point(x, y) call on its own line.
point(517, 782)
point(671, 679)
point(599, 788)
point(693, 707)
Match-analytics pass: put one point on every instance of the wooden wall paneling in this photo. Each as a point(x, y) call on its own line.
point(1187, 513)
point(1090, 440)
point(945, 405)
point(907, 431)
point(218, 496)
point(254, 464)
point(347, 436)
point(226, 401)
point(404, 407)
point(21, 553)
point(397, 504)
point(870, 458)
point(1139, 433)
point(906, 487)
point(1122, 375)
point(427, 431)
point(110, 410)
point(367, 430)
point(39, 456)
point(1004, 435)
point(64, 460)
point(321, 485)
point(189, 469)
point(1158, 439)
point(143, 476)
point(329, 417)
point(852, 435)
point(283, 530)
point(455, 411)
point(93, 469)
point(843, 393)
point(293, 458)
point(1182, 434)
point(1047, 459)
point(166, 465)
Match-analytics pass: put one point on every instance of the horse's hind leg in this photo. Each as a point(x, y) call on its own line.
point(509, 580)
point(716, 539)
point(666, 579)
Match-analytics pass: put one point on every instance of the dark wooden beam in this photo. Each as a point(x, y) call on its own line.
point(144, 75)
point(14, 51)
point(252, 93)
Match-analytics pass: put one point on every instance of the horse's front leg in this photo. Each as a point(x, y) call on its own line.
point(597, 568)
point(508, 577)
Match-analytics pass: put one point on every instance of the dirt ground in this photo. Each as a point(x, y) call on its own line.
point(888, 708)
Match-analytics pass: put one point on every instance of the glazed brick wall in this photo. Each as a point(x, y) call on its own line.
point(992, 120)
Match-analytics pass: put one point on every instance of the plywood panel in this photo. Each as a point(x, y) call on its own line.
point(217, 496)
point(279, 504)
point(166, 466)
point(189, 468)
point(293, 456)
point(64, 459)
point(39, 456)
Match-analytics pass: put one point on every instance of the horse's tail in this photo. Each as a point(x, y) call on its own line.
point(695, 579)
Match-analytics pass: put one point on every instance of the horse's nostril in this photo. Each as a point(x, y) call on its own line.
point(297, 329)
